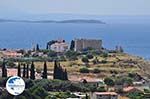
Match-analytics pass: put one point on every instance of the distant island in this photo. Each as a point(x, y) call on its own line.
point(53, 21)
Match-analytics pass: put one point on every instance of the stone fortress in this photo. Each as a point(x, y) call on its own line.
point(81, 44)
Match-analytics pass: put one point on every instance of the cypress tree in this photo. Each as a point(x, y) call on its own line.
point(72, 45)
point(37, 47)
point(47, 46)
point(65, 75)
point(4, 70)
point(32, 71)
point(55, 70)
point(45, 71)
point(24, 70)
point(86, 97)
point(59, 72)
point(27, 72)
point(19, 70)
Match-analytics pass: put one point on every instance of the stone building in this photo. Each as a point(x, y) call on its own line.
point(82, 44)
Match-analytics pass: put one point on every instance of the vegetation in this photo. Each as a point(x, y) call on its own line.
point(32, 71)
point(109, 81)
point(4, 69)
point(27, 72)
point(24, 70)
point(19, 70)
point(84, 70)
point(72, 45)
point(59, 72)
point(44, 75)
point(85, 60)
point(90, 56)
point(44, 88)
point(136, 95)
point(96, 70)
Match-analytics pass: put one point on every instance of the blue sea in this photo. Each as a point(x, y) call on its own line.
point(133, 37)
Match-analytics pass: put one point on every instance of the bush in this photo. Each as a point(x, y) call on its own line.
point(96, 70)
point(136, 95)
point(89, 56)
point(10, 64)
point(105, 55)
point(71, 55)
point(124, 81)
point(101, 89)
point(85, 60)
point(52, 54)
point(109, 81)
point(84, 70)
point(41, 92)
point(103, 61)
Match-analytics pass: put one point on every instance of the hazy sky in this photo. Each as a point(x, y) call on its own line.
point(94, 7)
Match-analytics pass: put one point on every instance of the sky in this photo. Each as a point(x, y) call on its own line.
point(86, 7)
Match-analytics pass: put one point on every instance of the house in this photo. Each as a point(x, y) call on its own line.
point(11, 54)
point(59, 46)
point(89, 80)
point(11, 72)
point(130, 89)
point(104, 95)
point(83, 44)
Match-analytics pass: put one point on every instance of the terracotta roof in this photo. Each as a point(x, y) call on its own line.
point(127, 89)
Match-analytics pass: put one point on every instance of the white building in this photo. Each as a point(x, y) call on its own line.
point(104, 95)
point(59, 47)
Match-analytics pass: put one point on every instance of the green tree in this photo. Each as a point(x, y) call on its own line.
point(45, 71)
point(27, 72)
point(41, 92)
point(19, 70)
point(65, 75)
point(24, 70)
point(4, 69)
point(96, 70)
point(85, 60)
point(90, 56)
point(55, 74)
point(109, 81)
point(136, 95)
point(37, 47)
point(72, 45)
point(59, 72)
point(84, 70)
point(32, 71)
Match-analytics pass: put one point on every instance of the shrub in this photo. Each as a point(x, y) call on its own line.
point(89, 56)
point(85, 60)
point(105, 55)
point(109, 81)
point(41, 92)
point(103, 61)
point(96, 70)
point(101, 89)
point(84, 70)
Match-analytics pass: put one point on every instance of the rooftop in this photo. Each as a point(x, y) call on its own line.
point(106, 93)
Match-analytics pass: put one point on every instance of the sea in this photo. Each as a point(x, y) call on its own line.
point(133, 37)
